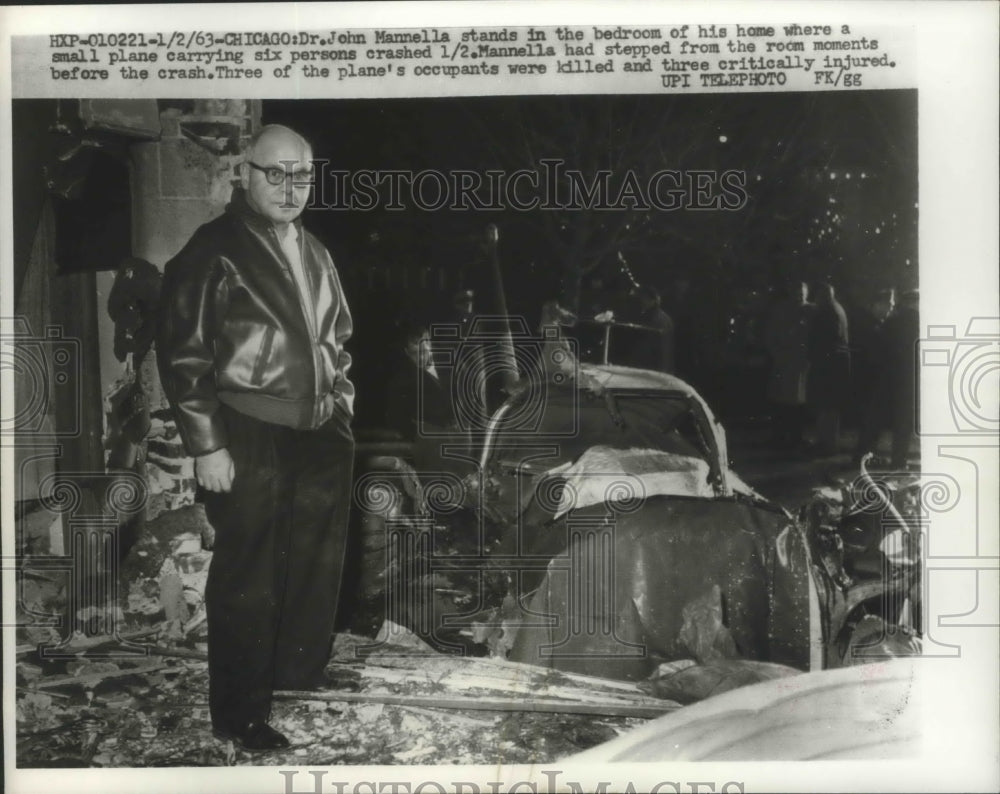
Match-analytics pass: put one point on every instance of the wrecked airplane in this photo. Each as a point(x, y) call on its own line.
point(602, 532)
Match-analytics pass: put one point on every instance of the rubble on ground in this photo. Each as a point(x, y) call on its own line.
point(153, 711)
point(129, 688)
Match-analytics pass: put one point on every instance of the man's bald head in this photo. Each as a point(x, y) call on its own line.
point(276, 151)
point(274, 135)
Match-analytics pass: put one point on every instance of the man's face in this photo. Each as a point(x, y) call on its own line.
point(419, 349)
point(883, 307)
point(284, 202)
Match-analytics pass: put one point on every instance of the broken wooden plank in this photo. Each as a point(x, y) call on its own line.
point(549, 706)
point(28, 690)
point(79, 645)
point(481, 677)
point(163, 650)
point(474, 685)
point(477, 723)
point(95, 678)
point(499, 668)
point(178, 653)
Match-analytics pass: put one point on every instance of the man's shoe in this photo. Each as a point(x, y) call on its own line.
point(255, 737)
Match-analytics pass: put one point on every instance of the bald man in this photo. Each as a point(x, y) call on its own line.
point(251, 356)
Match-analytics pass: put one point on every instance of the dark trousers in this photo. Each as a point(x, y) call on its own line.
point(275, 576)
point(898, 413)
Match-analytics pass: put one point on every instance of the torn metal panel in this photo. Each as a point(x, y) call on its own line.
point(622, 595)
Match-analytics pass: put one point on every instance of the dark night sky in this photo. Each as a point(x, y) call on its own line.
point(810, 213)
point(779, 137)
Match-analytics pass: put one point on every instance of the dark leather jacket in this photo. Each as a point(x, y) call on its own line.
point(233, 330)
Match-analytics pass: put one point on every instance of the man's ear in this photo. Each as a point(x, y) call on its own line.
point(245, 174)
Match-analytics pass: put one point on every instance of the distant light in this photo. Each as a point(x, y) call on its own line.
point(833, 200)
point(723, 139)
point(907, 261)
point(878, 230)
point(758, 177)
point(847, 176)
point(833, 175)
point(864, 175)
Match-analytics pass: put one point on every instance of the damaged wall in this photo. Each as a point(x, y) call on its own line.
point(176, 182)
point(179, 182)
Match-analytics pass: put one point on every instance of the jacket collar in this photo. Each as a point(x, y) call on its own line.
point(240, 207)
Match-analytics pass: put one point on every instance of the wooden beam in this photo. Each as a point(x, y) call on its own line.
point(79, 645)
point(645, 711)
point(95, 678)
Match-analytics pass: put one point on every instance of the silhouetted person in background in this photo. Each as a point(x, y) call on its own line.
point(419, 396)
point(897, 388)
point(651, 314)
point(869, 360)
point(596, 300)
point(829, 367)
point(420, 405)
point(786, 338)
point(559, 364)
point(683, 312)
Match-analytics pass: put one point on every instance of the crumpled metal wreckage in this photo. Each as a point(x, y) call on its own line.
point(613, 539)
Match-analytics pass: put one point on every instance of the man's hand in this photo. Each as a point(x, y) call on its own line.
point(215, 470)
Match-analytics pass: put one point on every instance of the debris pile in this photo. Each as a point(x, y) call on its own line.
point(163, 579)
point(387, 703)
point(129, 687)
point(169, 472)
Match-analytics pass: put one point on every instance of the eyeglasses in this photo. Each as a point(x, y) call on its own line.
point(277, 176)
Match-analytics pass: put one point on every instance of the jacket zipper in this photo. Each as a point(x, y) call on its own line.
point(307, 317)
